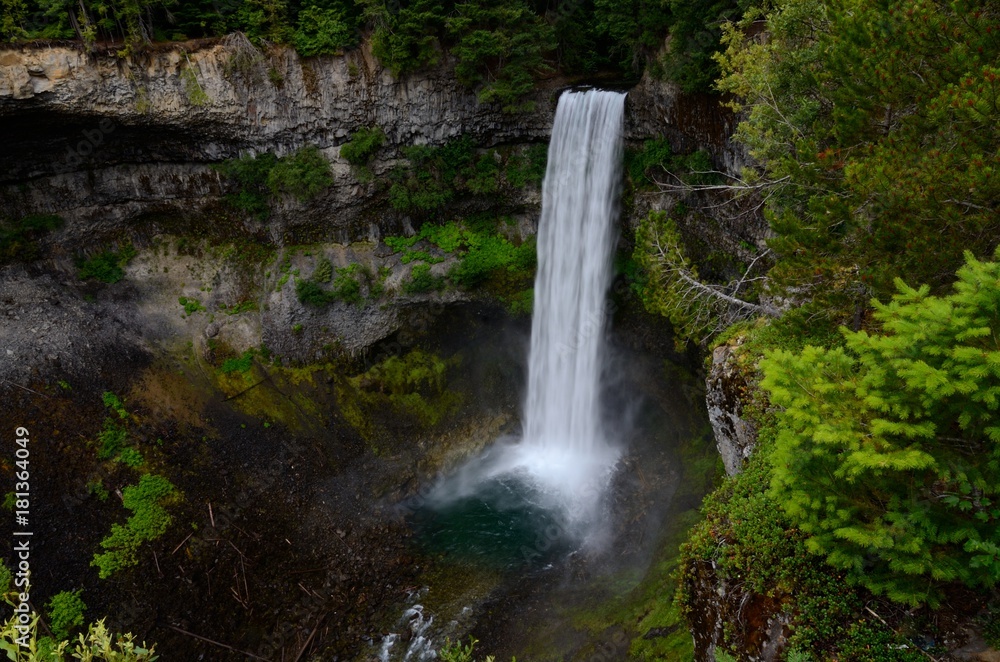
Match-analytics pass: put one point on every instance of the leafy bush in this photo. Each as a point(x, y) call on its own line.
point(528, 167)
point(19, 238)
point(421, 280)
point(323, 272)
point(191, 306)
point(455, 652)
point(260, 179)
point(653, 154)
point(96, 645)
point(362, 146)
point(488, 254)
point(250, 174)
point(303, 174)
point(310, 293)
point(66, 612)
point(106, 267)
point(149, 520)
point(346, 286)
point(484, 256)
point(656, 161)
point(323, 31)
point(888, 452)
point(241, 363)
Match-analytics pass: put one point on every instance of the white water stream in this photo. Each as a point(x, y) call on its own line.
point(565, 450)
point(565, 457)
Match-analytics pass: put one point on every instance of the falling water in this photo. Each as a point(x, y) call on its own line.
point(576, 237)
point(525, 502)
point(527, 498)
point(565, 445)
point(564, 460)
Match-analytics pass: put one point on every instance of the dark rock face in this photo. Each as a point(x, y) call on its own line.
point(727, 391)
point(725, 610)
point(688, 121)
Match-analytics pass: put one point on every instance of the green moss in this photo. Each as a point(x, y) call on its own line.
point(240, 364)
point(111, 440)
point(400, 391)
point(66, 613)
point(191, 305)
point(106, 267)
point(241, 307)
point(130, 457)
point(149, 520)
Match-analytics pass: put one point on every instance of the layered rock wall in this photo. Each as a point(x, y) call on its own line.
point(111, 144)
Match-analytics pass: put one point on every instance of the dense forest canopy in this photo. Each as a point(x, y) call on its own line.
point(503, 43)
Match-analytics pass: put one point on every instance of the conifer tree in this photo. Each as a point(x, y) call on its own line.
point(888, 449)
point(882, 117)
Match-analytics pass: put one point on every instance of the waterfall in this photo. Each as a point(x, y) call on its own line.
point(564, 459)
point(576, 238)
point(565, 445)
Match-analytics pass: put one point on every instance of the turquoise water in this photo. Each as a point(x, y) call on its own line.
point(502, 525)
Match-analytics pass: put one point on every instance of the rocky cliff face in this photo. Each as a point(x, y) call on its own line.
point(728, 390)
point(123, 151)
point(728, 615)
point(103, 141)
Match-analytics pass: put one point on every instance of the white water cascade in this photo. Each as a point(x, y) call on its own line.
point(565, 445)
point(565, 448)
point(565, 456)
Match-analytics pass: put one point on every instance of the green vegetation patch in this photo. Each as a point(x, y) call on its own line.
point(112, 440)
point(346, 285)
point(240, 364)
point(19, 239)
point(887, 450)
point(362, 146)
point(191, 305)
point(325, 28)
point(149, 521)
point(421, 280)
point(107, 267)
point(436, 175)
point(655, 160)
point(400, 391)
point(260, 180)
point(66, 613)
point(485, 258)
point(96, 643)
